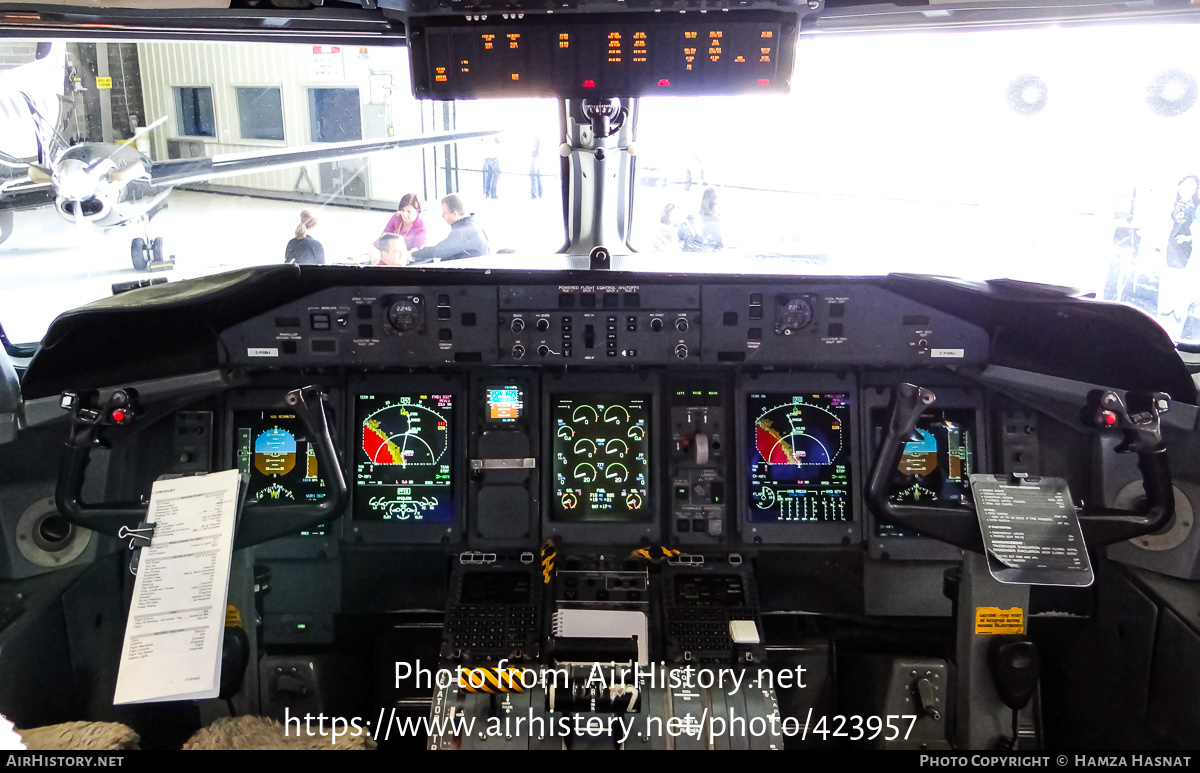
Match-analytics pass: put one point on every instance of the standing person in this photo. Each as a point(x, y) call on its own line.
point(406, 222)
point(491, 172)
point(1175, 293)
point(304, 250)
point(466, 239)
point(710, 221)
point(535, 170)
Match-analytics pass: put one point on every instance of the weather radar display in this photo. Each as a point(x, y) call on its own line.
point(799, 458)
point(933, 469)
point(601, 458)
point(403, 461)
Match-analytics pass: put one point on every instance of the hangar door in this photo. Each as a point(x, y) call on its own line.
point(335, 115)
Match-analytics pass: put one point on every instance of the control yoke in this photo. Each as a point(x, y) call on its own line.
point(259, 523)
point(1137, 417)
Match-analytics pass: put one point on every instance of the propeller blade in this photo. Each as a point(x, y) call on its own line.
point(39, 174)
point(127, 173)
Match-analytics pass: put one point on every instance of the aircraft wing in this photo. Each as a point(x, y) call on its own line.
point(26, 195)
point(192, 170)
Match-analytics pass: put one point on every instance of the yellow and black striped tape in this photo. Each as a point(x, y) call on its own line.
point(549, 552)
point(491, 680)
point(655, 555)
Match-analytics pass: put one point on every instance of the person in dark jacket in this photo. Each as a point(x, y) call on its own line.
point(304, 250)
point(466, 239)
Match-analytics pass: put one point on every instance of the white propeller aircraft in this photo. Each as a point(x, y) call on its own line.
point(107, 185)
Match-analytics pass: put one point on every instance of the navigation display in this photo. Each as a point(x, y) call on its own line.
point(403, 458)
point(933, 470)
point(505, 404)
point(799, 453)
point(601, 458)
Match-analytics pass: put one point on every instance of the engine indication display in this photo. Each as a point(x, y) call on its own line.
point(799, 454)
point(601, 458)
point(934, 470)
point(403, 458)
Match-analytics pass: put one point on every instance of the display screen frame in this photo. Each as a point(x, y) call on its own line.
point(407, 531)
point(614, 405)
point(950, 397)
point(577, 385)
point(490, 387)
point(271, 399)
point(541, 70)
point(799, 532)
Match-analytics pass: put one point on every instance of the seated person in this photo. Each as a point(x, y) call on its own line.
point(466, 239)
point(407, 222)
point(391, 251)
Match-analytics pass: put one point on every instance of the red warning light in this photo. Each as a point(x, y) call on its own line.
point(589, 84)
point(764, 81)
point(664, 82)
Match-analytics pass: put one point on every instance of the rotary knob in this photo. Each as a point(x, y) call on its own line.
point(517, 325)
point(518, 351)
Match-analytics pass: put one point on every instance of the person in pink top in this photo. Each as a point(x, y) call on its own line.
point(406, 222)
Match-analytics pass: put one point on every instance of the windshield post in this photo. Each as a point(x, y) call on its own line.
point(599, 136)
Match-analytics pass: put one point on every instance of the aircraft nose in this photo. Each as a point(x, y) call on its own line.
point(72, 181)
point(88, 207)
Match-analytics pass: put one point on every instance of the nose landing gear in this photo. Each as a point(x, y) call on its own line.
point(150, 255)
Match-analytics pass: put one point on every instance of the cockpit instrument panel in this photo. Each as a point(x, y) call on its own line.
point(799, 458)
point(933, 470)
point(273, 449)
point(602, 55)
point(601, 464)
point(403, 458)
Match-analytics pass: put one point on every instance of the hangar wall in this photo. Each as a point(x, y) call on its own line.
point(380, 74)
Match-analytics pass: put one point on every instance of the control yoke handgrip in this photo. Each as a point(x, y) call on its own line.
point(945, 524)
point(258, 523)
point(1101, 526)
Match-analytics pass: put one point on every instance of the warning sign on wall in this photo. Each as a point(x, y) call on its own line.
point(103, 83)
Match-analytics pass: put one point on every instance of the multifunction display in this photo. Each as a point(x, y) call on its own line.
point(505, 404)
point(403, 459)
point(799, 454)
point(601, 458)
point(273, 449)
point(602, 56)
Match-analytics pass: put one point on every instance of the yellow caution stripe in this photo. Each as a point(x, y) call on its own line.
point(491, 680)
